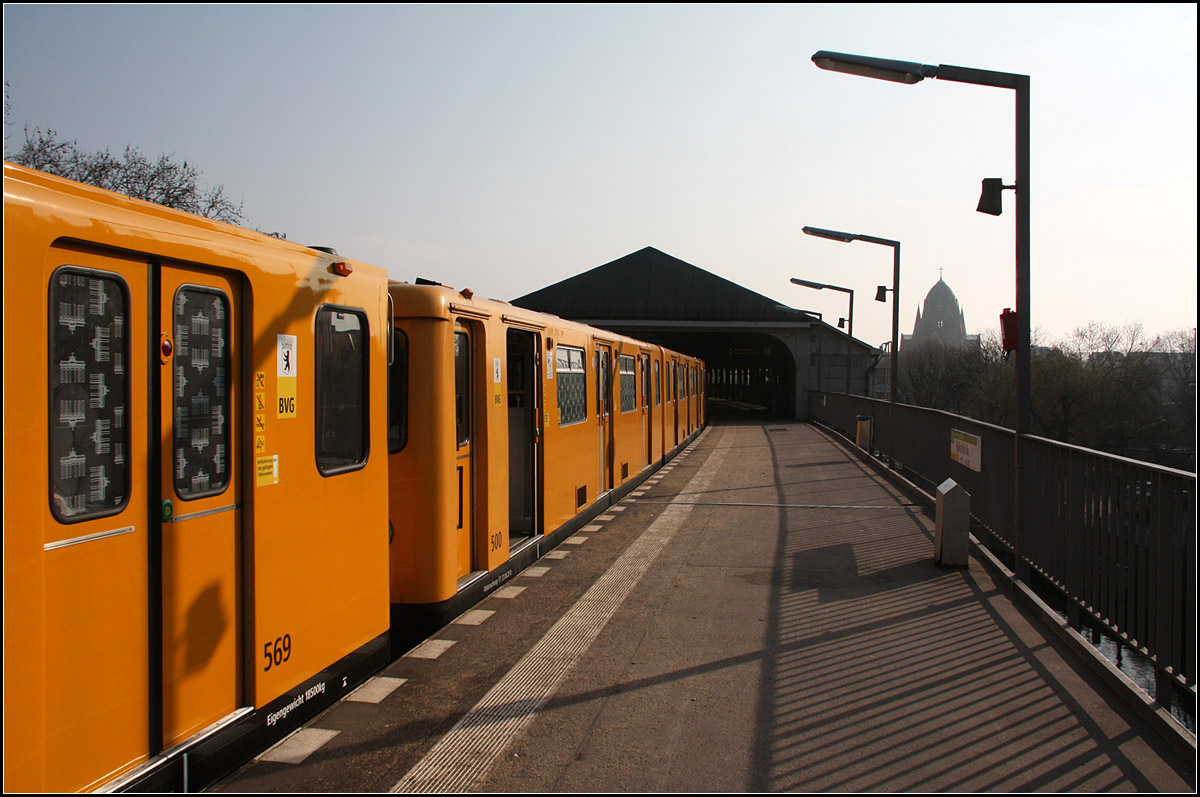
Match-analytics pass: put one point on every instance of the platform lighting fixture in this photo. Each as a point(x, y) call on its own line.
point(989, 202)
point(820, 286)
point(849, 237)
point(910, 72)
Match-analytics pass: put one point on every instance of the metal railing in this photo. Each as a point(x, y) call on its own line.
point(1116, 538)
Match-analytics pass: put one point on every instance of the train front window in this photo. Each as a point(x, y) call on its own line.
point(89, 394)
point(341, 381)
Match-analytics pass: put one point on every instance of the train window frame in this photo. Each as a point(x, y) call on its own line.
point(120, 450)
point(180, 449)
point(328, 462)
point(398, 374)
point(627, 372)
point(657, 384)
point(571, 378)
point(463, 387)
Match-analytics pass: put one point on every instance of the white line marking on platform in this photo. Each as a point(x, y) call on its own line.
point(508, 592)
point(461, 759)
point(536, 571)
point(299, 746)
point(473, 617)
point(430, 649)
point(376, 689)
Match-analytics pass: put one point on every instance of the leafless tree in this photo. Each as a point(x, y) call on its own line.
point(163, 181)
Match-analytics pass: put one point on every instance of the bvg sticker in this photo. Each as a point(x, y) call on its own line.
point(285, 373)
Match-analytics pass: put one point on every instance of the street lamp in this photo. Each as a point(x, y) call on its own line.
point(847, 237)
point(850, 332)
point(910, 72)
point(989, 202)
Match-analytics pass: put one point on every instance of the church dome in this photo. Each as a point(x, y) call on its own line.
point(940, 319)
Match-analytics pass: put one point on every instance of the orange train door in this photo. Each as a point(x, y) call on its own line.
point(675, 398)
point(464, 470)
point(604, 413)
point(524, 433)
point(201, 601)
point(647, 416)
point(76, 698)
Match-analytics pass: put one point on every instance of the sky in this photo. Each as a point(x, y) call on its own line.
point(504, 148)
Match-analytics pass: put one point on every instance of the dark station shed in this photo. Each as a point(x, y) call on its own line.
point(757, 351)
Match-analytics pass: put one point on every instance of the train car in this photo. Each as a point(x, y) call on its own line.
point(510, 429)
point(195, 488)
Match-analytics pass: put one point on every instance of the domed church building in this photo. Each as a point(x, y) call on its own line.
point(940, 320)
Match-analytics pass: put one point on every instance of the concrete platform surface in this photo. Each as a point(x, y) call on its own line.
point(764, 614)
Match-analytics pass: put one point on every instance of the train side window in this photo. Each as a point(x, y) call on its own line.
point(625, 365)
point(657, 386)
point(201, 373)
point(89, 394)
point(341, 380)
point(572, 387)
point(398, 393)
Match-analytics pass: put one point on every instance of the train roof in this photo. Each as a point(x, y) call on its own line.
point(114, 219)
point(441, 301)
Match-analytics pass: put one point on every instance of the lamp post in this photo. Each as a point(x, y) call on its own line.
point(910, 72)
point(850, 320)
point(847, 237)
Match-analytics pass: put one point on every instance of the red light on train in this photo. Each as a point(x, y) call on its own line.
point(342, 269)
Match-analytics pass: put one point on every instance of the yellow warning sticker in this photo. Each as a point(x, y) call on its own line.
point(266, 470)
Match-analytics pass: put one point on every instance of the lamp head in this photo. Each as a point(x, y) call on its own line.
point(833, 235)
point(879, 68)
point(989, 198)
point(881, 294)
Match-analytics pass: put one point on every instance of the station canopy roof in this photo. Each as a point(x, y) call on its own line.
point(653, 285)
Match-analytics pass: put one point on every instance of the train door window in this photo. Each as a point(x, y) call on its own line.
point(603, 389)
point(200, 374)
point(462, 388)
point(625, 365)
point(89, 394)
point(341, 395)
point(645, 363)
point(398, 393)
point(572, 385)
point(657, 385)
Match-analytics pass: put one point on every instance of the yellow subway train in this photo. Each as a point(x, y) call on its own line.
point(242, 474)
